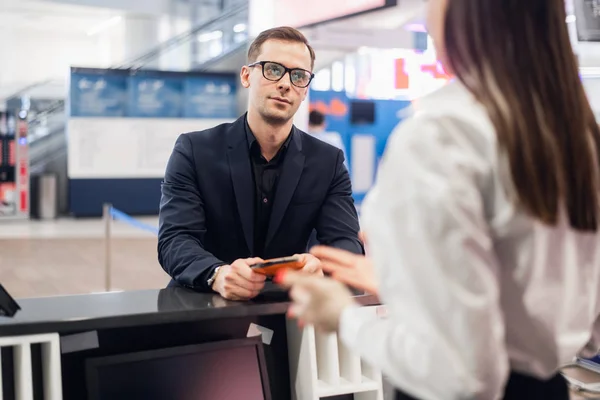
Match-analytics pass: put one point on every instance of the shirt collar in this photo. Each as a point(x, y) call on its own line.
point(251, 138)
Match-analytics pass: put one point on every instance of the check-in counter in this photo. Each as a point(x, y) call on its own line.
point(173, 343)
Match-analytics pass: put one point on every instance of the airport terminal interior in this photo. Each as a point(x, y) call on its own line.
point(94, 95)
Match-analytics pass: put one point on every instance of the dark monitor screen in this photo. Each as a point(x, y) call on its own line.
point(587, 13)
point(228, 370)
point(362, 112)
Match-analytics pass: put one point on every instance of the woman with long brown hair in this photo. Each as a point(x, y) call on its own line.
point(483, 224)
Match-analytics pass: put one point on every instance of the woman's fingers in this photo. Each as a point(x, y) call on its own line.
point(332, 267)
point(330, 254)
point(349, 278)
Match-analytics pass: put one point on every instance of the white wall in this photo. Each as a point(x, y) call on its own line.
point(592, 87)
point(30, 56)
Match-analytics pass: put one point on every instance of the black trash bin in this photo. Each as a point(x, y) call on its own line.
point(44, 196)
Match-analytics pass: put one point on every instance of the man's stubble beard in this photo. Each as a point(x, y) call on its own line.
point(275, 119)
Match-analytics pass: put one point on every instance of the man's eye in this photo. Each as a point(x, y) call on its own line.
point(274, 70)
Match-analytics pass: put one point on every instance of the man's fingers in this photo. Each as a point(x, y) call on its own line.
point(254, 260)
point(311, 267)
point(237, 280)
point(331, 254)
point(234, 292)
point(244, 271)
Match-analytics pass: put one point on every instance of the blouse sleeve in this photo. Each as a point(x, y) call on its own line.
point(443, 337)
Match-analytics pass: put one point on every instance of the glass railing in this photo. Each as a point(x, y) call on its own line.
point(193, 49)
point(197, 49)
point(43, 103)
point(47, 122)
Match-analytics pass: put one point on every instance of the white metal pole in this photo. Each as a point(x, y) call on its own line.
point(107, 251)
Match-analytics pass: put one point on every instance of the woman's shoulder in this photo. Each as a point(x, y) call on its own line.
point(448, 118)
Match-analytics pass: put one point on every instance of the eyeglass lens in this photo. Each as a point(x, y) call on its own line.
point(275, 72)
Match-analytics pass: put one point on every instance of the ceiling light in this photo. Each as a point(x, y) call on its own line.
point(237, 28)
point(104, 25)
point(208, 36)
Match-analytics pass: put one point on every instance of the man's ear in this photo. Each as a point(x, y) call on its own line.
point(245, 77)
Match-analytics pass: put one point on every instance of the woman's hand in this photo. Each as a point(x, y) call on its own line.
point(348, 268)
point(316, 300)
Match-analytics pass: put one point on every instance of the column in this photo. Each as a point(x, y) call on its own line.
point(141, 36)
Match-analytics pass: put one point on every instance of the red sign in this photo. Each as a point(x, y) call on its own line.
point(12, 155)
point(23, 166)
point(24, 197)
point(308, 12)
point(402, 80)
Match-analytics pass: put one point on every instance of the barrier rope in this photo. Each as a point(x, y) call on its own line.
point(109, 214)
point(121, 216)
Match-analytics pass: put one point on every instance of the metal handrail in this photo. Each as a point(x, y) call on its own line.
point(206, 65)
point(180, 39)
point(27, 88)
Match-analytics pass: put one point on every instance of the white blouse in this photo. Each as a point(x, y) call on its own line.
point(474, 287)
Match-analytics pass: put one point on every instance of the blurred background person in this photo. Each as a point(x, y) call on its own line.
point(483, 224)
point(317, 127)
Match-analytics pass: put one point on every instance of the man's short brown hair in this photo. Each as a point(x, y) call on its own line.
point(284, 33)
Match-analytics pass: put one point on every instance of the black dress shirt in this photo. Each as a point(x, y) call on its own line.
point(266, 176)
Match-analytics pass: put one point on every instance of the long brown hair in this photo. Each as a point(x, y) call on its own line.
point(516, 58)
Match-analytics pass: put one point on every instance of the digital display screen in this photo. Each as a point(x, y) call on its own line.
point(587, 13)
point(230, 370)
point(307, 12)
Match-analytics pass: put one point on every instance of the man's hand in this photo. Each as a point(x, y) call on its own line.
point(312, 265)
point(237, 281)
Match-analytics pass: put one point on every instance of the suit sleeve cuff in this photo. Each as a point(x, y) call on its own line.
point(205, 276)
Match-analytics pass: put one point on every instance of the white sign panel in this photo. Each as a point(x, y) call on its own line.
point(125, 147)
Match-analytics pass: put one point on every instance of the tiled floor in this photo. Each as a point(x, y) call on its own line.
point(72, 228)
point(47, 258)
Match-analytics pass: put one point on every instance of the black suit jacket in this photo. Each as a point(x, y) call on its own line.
point(207, 205)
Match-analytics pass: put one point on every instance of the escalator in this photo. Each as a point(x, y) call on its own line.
point(211, 46)
point(48, 149)
point(47, 121)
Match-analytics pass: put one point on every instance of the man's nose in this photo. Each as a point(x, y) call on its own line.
point(285, 83)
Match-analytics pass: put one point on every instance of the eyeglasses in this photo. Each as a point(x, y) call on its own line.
point(274, 72)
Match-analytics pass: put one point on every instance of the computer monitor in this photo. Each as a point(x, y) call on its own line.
point(226, 370)
point(587, 13)
point(362, 112)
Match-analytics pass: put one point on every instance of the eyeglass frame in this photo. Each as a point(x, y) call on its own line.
point(287, 71)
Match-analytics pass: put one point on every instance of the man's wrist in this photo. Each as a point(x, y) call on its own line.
point(213, 276)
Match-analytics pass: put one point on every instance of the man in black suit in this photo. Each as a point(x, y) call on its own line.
point(255, 189)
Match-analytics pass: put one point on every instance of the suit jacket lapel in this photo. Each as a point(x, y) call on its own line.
point(293, 164)
point(241, 176)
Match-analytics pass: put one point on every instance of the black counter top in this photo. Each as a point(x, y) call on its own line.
point(68, 314)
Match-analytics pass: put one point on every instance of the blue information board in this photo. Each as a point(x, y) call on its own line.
point(155, 96)
point(98, 94)
point(152, 94)
point(210, 97)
